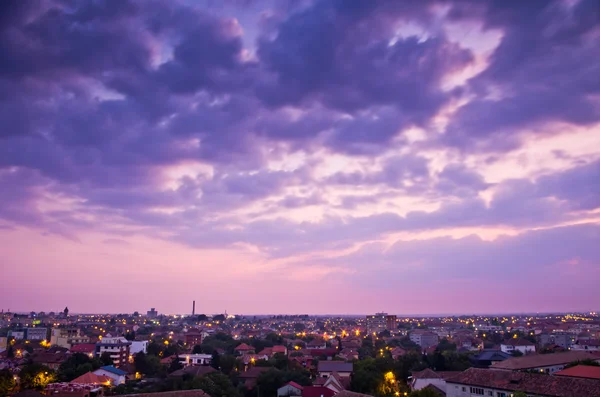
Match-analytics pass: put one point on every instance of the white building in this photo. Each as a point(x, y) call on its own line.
point(118, 376)
point(118, 348)
point(422, 379)
point(138, 346)
point(424, 338)
point(195, 359)
point(522, 345)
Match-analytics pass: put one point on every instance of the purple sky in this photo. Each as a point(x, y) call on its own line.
point(300, 156)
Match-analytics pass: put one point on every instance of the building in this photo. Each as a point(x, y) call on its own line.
point(521, 345)
point(376, 323)
point(563, 340)
point(152, 313)
point(489, 357)
point(89, 349)
point(290, 389)
point(326, 368)
point(117, 376)
point(39, 334)
point(391, 322)
point(581, 371)
point(74, 389)
point(243, 349)
point(118, 348)
point(422, 379)
point(193, 338)
point(17, 335)
point(592, 345)
point(424, 338)
point(476, 382)
point(138, 346)
point(547, 363)
point(195, 359)
point(67, 337)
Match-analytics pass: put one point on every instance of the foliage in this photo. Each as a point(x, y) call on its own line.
point(227, 363)
point(446, 345)
point(268, 382)
point(148, 365)
point(105, 359)
point(7, 382)
point(517, 353)
point(76, 365)
point(36, 376)
point(202, 317)
point(583, 362)
point(197, 349)
point(424, 393)
point(216, 385)
point(175, 364)
point(215, 361)
point(219, 317)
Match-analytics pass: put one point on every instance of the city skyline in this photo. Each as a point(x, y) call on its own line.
point(440, 156)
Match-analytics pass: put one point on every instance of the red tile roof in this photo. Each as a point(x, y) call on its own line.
point(544, 360)
point(244, 347)
point(539, 384)
point(83, 348)
point(91, 378)
point(294, 384)
point(581, 371)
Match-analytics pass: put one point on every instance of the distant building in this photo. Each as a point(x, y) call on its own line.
point(592, 345)
point(290, 389)
point(522, 345)
point(376, 323)
point(390, 322)
point(117, 376)
point(424, 338)
point(152, 313)
point(118, 348)
point(138, 346)
point(563, 340)
point(67, 337)
point(489, 357)
point(36, 334)
point(193, 338)
point(326, 368)
point(18, 335)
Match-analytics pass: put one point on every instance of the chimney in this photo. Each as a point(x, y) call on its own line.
point(193, 308)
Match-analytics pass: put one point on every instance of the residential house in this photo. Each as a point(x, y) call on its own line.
point(348, 354)
point(316, 344)
point(547, 363)
point(91, 378)
point(398, 352)
point(488, 382)
point(421, 379)
point(326, 368)
point(138, 346)
point(49, 359)
point(192, 371)
point(271, 351)
point(88, 349)
point(290, 389)
point(248, 378)
point(117, 376)
point(581, 371)
point(244, 349)
point(489, 357)
point(592, 345)
point(521, 345)
point(193, 338)
point(73, 389)
point(326, 354)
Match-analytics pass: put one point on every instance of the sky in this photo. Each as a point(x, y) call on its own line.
point(333, 156)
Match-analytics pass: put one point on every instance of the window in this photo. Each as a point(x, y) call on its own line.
point(464, 389)
point(477, 390)
point(500, 394)
point(490, 393)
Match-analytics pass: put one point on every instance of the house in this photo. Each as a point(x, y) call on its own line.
point(317, 391)
point(522, 345)
point(328, 354)
point(398, 352)
point(336, 382)
point(271, 351)
point(548, 363)
point(490, 382)
point(117, 376)
point(290, 389)
point(248, 378)
point(325, 368)
point(85, 348)
point(421, 379)
point(74, 390)
point(244, 349)
point(489, 357)
point(581, 371)
point(316, 344)
point(49, 359)
point(348, 354)
point(91, 378)
point(424, 338)
point(192, 371)
point(592, 345)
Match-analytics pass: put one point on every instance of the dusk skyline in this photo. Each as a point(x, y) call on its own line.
point(300, 157)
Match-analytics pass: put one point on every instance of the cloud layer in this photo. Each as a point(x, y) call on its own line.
point(303, 142)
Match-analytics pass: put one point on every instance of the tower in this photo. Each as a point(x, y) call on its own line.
point(193, 308)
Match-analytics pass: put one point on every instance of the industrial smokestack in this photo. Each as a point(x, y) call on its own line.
point(193, 308)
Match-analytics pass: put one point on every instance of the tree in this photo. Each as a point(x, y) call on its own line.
point(175, 364)
point(426, 392)
point(219, 317)
point(105, 359)
point(36, 376)
point(130, 335)
point(216, 385)
point(10, 352)
point(7, 382)
point(202, 317)
point(227, 363)
point(517, 353)
point(215, 361)
point(197, 349)
point(76, 365)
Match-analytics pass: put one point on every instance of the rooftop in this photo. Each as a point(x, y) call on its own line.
point(337, 366)
point(539, 384)
point(544, 360)
point(581, 371)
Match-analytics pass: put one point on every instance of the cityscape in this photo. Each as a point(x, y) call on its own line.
point(300, 198)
